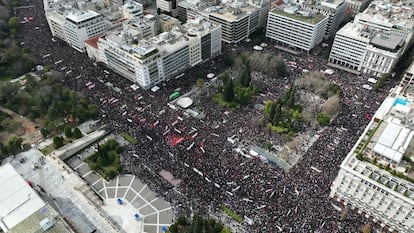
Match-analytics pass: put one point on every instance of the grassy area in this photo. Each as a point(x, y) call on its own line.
point(47, 150)
point(218, 98)
point(129, 138)
point(315, 19)
point(232, 214)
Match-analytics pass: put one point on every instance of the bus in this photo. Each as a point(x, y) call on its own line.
point(174, 95)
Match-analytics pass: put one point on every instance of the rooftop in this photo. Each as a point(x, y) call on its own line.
point(355, 31)
point(18, 200)
point(295, 14)
point(79, 16)
point(93, 41)
point(167, 42)
point(387, 41)
point(387, 142)
point(389, 15)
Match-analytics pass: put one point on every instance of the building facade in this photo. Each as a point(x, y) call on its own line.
point(353, 7)
point(376, 177)
point(386, 32)
point(75, 27)
point(349, 48)
point(333, 9)
point(148, 62)
point(295, 29)
point(238, 19)
point(132, 10)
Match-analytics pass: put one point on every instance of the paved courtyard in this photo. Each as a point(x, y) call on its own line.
point(155, 213)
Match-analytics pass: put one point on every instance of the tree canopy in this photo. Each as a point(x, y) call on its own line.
point(197, 225)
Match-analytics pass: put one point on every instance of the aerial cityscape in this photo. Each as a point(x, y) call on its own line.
point(206, 116)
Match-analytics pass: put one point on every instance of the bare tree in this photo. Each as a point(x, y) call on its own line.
point(366, 228)
point(293, 144)
point(332, 106)
point(344, 214)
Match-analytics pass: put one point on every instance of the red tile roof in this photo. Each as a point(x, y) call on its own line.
point(93, 41)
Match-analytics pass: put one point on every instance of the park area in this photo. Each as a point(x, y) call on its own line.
point(271, 109)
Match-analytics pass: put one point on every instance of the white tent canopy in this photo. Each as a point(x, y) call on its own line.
point(393, 142)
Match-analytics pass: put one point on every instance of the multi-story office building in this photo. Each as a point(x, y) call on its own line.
point(296, 29)
point(238, 18)
point(75, 27)
point(387, 34)
point(147, 62)
point(334, 9)
point(349, 47)
point(377, 175)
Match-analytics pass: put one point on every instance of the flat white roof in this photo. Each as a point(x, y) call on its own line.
point(78, 16)
point(17, 199)
point(184, 102)
point(393, 141)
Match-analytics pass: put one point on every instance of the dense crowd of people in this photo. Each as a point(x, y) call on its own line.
point(197, 151)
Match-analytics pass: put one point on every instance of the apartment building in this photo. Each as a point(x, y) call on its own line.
point(76, 26)
point(148, 62)
point(377, 176)
point(295, 28)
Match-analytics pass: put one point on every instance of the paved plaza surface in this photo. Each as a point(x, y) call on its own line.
point(57, 184)
point(155, 213)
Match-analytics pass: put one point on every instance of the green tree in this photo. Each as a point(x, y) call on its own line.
point(200, 83)
point(13, 23)
point(68, 131)
point(267, 108)
point(14, 145)
point(226, 230)
point(174, 227)
point(277, 115)
point(3, 150)
point(228, 91)
point(77, 133)
point(197, 224)
point(246, 78)
point(280, 68)
point(218, 227)
point(290, 100)
point(182, 220)
point(323, 119)
point(45, 132)
point(58, 141)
